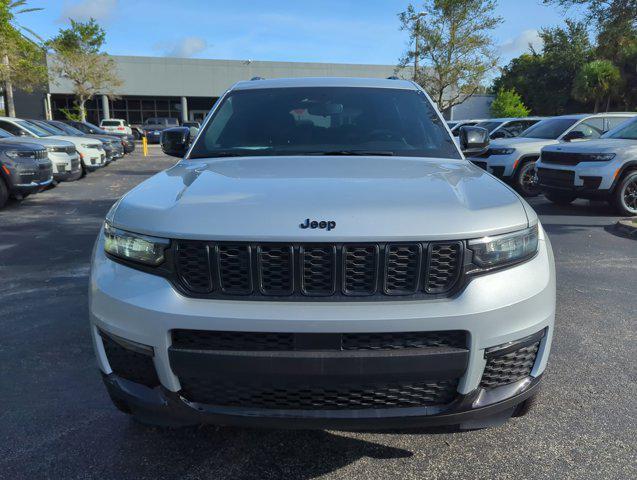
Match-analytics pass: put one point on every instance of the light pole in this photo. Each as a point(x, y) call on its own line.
point(416, 18)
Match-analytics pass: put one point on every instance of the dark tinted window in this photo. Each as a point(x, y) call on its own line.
point(549, 129)
point(591, 128)
point(491, 126)
point(9, 127)
point(5, 134)
point(318, 120)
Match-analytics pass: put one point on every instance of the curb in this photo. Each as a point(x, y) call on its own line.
point(627, 227)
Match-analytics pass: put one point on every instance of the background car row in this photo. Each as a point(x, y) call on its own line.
point(556, 156)
point(36, 154)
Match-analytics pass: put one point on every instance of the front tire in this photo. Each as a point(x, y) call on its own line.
point(525, 180)
point(560, 198)
point(4, 193)
point(626, 195)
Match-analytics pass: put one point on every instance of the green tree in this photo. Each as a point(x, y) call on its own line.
point(22, 60)
point(596, 81)
point(79, 60)
point(508, 103)
point(545, 79)
point(451, 47)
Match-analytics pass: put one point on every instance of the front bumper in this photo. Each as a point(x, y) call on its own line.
point(494, 309)
point(68, 170)
point(500, 166)
point(163, 405)
point(585, 180)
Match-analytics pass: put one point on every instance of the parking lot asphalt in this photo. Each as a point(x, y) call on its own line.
point(56, 420)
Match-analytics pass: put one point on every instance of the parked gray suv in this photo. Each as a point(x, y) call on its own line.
point(598, 169)
point(323, 256)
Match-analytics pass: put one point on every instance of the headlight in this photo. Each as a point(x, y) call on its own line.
point(20, 154)
point(500, 250)
point(134, 247)
point(501, 151)
point(600, 157)
point(89, 145)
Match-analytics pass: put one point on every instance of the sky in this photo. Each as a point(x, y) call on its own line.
point(339, 31)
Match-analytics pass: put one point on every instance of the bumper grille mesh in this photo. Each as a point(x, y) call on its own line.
point(555, 178)
point(509, 368)
point(336, 397)
point(221, 270)
point(128, 364)
point(272, 341)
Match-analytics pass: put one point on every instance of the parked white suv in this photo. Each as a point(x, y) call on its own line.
point(599, 169)
point(116, 125)
point(92, 155)
point(322, 256)
point(513, 159)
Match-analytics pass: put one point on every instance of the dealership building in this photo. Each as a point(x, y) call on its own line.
point(182, 88)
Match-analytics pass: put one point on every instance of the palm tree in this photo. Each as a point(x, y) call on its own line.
point(10, 31)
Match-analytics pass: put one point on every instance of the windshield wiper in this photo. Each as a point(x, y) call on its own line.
point(380, 153)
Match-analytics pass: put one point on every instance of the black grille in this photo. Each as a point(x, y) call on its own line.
point(41, 154)
point(318, 274)
point(234, 266)
point(129, 364)
point(567, 158)
point(360, 267)
point(444, 267)
point(275, 270)
point(402, 264)
point(509, 368)
point(402, 340)
point(340, 271)
point(272, 341)
point(556, 178)
point(308, 397)
point(237, 341)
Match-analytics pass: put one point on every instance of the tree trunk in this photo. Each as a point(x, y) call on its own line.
point(608, 103)
point(596, 105)
point(8, 90)
point(81, 107)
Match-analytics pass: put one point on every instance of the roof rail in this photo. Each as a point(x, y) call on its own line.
point(256, 78)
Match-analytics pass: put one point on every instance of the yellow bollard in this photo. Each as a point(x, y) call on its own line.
point(145, 146)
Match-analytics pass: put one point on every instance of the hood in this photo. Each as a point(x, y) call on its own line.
point(44, 141)
point(522, 142)
point(76, 140)
point(602, 145)
point(8, 143)
point(369, 198)
point(104, 138)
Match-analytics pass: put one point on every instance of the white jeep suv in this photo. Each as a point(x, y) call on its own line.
point(603, 169)
point(91, 151)
point(322, 256)
point(513, 159)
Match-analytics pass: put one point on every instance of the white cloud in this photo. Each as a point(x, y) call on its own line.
point(83, 10)
point(521, 43)
point(184, 47)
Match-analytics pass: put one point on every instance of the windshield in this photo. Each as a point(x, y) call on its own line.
point(111, 123)
point(68, 129)
point(5, 134)
point(325, 120)
point(550, 129)
point(625, 131)
point(490, 126)
point(34, 129)
point(49, 128)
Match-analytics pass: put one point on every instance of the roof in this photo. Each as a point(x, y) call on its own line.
point(579, 116)
point(324, 82)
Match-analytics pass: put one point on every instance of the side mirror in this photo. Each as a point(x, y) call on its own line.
point(574, 135)
point(22, 133)
point(175, 141)
point(473, 140)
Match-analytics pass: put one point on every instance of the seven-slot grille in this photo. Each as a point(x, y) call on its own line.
point(317, 270)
